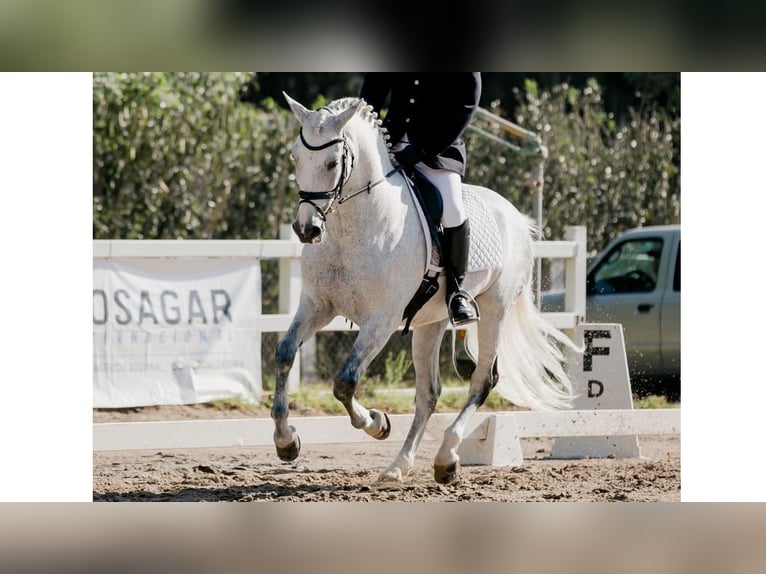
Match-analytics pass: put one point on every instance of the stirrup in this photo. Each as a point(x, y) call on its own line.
point(470, 300)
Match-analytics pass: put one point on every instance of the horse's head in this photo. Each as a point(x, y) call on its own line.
point(323, 163)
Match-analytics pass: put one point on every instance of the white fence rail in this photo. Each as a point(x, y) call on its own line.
point(572, 249)
point(491, 438)
point(221, 433)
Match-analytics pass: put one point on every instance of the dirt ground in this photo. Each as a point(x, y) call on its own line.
point(348, 472)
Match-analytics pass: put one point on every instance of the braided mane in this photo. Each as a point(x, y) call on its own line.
point(366, 112)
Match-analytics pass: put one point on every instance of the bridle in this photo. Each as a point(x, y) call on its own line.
point(336, 194)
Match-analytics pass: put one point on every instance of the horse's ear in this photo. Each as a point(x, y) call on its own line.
point(299, 110)
point(342, 118)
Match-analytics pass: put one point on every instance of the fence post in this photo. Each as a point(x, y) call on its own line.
point(576, 271)
point(290, 286)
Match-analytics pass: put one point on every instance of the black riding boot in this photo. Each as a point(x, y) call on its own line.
point(462, 307)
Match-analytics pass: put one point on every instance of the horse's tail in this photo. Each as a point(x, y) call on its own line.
point(531, 358)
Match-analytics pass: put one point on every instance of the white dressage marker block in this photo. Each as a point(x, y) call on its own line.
point(495, 442)
point(602, 381)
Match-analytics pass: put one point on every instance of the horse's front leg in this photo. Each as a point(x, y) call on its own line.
point(426, 342)
point(373, 336)
point(307, 321)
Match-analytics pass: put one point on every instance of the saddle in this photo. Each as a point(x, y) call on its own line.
point(431, 206)
point(486, 250)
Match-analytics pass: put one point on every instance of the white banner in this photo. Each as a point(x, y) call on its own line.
point(175, 331)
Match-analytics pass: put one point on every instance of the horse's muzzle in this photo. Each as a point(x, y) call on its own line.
point(310, 233)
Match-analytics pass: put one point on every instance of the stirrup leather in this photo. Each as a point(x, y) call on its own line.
point(473, 303)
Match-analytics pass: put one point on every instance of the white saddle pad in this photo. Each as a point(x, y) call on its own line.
point(485, 252)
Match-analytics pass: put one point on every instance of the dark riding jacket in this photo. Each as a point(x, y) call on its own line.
point(433, 109)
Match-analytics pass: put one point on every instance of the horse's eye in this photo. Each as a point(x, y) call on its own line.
point(332, 164)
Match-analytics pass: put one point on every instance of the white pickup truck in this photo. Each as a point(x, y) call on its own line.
point(636, 281)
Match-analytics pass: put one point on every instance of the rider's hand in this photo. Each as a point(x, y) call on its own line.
point(408, 157)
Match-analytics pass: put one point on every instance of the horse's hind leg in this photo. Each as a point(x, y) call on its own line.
point(426, 342)
point(373, 336)
point(307, 321)
point(483, 379)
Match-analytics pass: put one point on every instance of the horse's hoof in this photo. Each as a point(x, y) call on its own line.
point(389, 476)
point(385, 429)
point(447, 474)
point(290, 452)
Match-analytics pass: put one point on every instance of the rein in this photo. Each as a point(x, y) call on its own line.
point(336, 194)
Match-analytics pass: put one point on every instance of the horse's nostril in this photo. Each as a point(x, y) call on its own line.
point(315, 232)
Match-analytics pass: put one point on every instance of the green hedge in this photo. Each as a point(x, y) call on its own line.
point(179, 156)
point(606, 176)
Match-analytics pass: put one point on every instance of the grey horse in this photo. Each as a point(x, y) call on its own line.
point(365, 256)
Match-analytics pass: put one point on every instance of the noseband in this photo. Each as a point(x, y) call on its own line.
point(336, 194)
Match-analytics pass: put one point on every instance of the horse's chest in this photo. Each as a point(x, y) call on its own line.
point(352, 282)
point(327, 274)
point(330, 275)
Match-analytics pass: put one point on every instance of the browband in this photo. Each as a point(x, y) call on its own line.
point(318, 147)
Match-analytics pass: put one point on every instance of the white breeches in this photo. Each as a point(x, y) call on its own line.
point(449, 184)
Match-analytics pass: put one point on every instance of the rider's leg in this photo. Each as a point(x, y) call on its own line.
point(457, 235)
